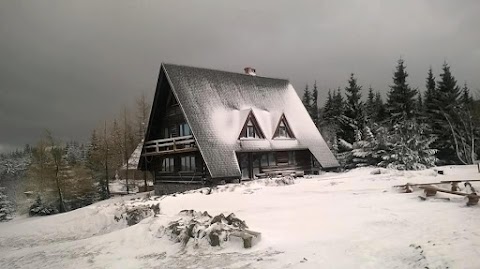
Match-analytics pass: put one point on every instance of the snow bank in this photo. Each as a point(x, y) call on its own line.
point(335, 220)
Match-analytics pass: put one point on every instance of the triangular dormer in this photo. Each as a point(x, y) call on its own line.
point(283, 130)
point(251, 129)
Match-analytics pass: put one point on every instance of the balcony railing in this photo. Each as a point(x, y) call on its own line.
point(169, 145)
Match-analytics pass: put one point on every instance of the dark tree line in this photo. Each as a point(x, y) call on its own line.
point(410, 130)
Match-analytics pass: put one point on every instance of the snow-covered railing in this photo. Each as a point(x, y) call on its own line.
point(168, 144)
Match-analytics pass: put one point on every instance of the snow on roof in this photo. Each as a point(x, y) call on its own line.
point(134, 158)
point(217, 103)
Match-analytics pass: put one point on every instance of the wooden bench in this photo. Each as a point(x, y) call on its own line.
point(432, 191)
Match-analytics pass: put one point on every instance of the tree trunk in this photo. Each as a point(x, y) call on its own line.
point(107, 180)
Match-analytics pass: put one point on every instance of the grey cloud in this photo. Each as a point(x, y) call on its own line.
point(68, 65)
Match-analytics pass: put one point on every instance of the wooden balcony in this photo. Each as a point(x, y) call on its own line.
point(169, 146)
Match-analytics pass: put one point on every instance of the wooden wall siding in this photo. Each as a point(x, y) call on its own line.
point(283, 161)
point(200, 173)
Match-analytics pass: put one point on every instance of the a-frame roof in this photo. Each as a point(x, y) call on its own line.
point(215, 104)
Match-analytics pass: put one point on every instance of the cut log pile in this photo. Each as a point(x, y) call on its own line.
point(194, 227)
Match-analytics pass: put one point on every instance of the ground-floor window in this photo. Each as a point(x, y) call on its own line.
point(187, 163)
point(168, 165)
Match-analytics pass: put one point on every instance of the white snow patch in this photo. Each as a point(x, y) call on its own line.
point(335, 220)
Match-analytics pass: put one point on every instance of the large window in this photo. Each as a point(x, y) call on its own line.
point(187, 163)
point(168, 165)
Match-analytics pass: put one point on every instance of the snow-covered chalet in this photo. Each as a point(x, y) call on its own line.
point(208, 127)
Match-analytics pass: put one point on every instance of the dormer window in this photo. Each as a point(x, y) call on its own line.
point(251, 129)
point(251, 132)
point(283, 129)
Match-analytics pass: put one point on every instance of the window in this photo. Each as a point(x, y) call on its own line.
point(185, 129)
point(168, 165)
point(268, 159)
point(283, 130)
point(187, 163)
point(251, 129)
point(291, 157)
point(251, 133)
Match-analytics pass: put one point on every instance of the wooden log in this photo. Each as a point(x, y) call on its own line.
point(472, 198)
point(464, 180)
point(247, 237)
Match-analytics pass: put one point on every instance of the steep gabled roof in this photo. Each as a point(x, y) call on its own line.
point(215, 103)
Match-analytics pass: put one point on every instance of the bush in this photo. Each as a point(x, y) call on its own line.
point(40, 209)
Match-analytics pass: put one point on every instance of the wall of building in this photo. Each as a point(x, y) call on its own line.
point(169, 188)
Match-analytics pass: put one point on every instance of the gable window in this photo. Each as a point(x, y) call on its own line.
point(251, 129)
point(283, 129)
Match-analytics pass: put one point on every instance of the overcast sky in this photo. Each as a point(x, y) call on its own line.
point(68, 65)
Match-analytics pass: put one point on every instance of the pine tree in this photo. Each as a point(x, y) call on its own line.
point(466, 99)
point(307, 100)
point(328, 110)
point(445, 116)
point(353, 120)
point(430, 94)
point(6, 207)
point(447, 89)
point(370, 110)
point(420, 109)
point(380, 111)
point(401, 98)
point(314, 105)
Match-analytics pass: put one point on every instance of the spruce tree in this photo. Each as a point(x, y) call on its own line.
point(307, 99)
point(430, 93)
point(6, 207)
point(380, 111)
point(314, 104)
point(353, 123)
point(447, 89)
point(401, 98)
point(328, 110)
point(370, 105)
point(446, 116)
point(466, 99)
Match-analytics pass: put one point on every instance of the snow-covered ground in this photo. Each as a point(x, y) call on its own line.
point(335, 220)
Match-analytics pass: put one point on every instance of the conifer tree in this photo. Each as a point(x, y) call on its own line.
point(380, 113)
point(353, 110)
point(447, 89)
point(314, 104)
point(307, 100)
point(6, 207)
point(370, 105)
point(430, 93)
point(401, 98)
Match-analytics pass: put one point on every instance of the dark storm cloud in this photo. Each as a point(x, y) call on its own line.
point(68, 65)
